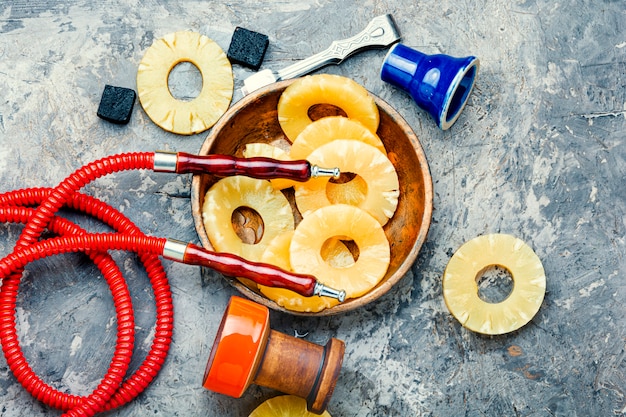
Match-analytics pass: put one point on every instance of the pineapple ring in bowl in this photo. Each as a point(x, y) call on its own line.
point(330, 128)
point(344, 222)
point(228, 195)
point(254, 119)
point(296, 101)
point(373, 189)
point(278, 253)
point(460, 286)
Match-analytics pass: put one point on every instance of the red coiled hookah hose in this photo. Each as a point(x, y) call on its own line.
point(36, 208)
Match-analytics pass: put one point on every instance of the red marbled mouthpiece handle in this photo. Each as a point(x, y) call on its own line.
point(235, 266)
point(226, 165)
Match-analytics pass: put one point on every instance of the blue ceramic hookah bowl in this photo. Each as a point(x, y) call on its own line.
point(439, 84)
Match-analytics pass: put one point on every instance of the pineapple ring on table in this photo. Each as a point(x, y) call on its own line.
point(460, 286)
point(345, 222)
point(277, 253)
point(330, 128)
point(348, 95)
point(285, 406)
point(231, 193)
point(178, 116)
point(375, 188)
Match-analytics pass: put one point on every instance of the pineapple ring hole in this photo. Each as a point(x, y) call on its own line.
point(248, 225)
point(318, 111)
point(343, 178)
point(349, 243)
point(184, 81)
point(495, 284)
point(349, 188)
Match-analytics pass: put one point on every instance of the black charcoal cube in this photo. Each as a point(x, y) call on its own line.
point(247, 48)
point(116, 104)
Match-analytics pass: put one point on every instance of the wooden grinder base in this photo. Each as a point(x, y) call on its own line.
point(246, 351)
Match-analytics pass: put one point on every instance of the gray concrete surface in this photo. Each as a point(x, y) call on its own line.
point(539, 153)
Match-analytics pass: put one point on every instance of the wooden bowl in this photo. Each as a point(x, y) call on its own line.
point(254, 119)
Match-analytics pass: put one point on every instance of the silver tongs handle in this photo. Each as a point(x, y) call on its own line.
point(379, 33)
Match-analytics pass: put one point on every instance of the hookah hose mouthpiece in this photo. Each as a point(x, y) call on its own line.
point(224, 165)
point(36, 208)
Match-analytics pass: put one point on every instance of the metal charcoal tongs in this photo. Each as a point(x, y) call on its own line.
point(381, 32)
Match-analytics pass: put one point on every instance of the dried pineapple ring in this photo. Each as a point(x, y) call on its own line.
point(344, 222)
point(177, 116)
point(277, 253)
point(285, 406)
point(460, 287)
point(231, 193)
point(375, 189)
point(330, 128)
point(294, 103)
